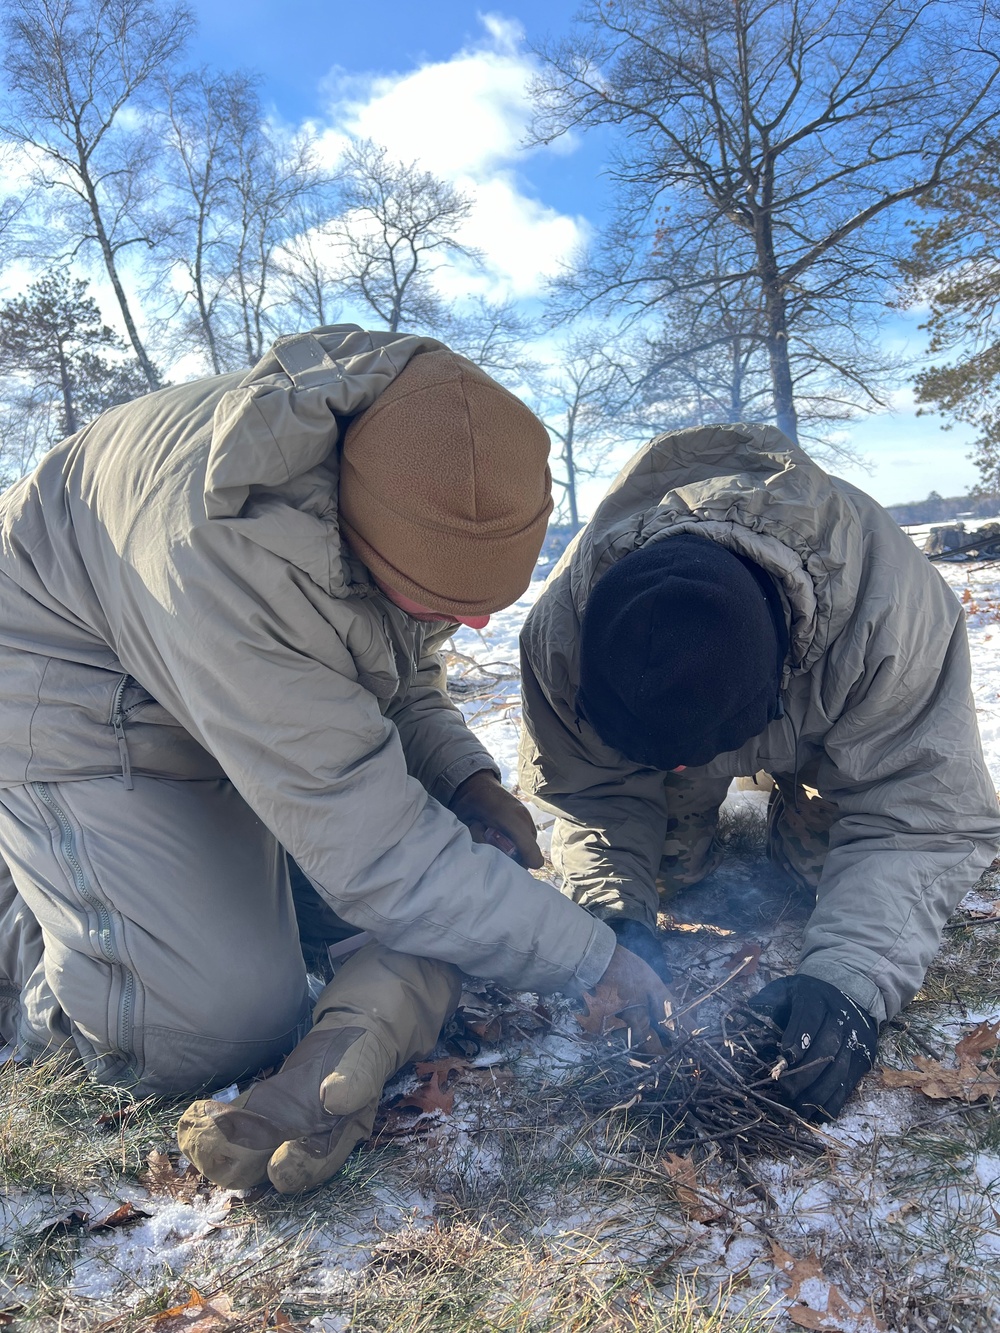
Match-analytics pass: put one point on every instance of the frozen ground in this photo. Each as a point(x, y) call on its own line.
point(894, 1225)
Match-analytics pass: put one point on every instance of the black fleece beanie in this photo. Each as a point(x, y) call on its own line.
point(681, 653)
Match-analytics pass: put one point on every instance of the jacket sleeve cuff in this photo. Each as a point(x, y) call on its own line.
point(594, 963)
point(447, 783)
point(861, 989)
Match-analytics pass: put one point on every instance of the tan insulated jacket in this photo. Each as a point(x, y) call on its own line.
point(175, 600)
point(878, 707)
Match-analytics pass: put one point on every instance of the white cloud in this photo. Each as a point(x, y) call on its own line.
point(459, 117)
point(465, 120)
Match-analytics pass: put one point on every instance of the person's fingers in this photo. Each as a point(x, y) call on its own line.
point(827, 1094)
point(810, 1049)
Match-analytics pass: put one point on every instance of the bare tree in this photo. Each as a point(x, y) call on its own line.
point(495, 335)
point(795, 129)
point(270, 177)
point(310, 284)
point(194, 125)
point(72, 68)
point(582, 399)
point(235, 194)
point(397, 227)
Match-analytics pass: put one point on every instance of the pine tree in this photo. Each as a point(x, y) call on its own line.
point(61, 366)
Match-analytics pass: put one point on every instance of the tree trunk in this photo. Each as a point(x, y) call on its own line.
point(66, 385)
point(736, 382)
point(568, 459)
point(199, 287)
point(148, 369)
point(782, 388)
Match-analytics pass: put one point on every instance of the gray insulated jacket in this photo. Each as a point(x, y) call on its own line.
point(878, 707)
point(175, 601)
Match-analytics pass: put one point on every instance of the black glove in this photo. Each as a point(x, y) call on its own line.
point(641, 941)
point(827, 1039)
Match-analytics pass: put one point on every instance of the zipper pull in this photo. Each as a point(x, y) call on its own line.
point(123, 752)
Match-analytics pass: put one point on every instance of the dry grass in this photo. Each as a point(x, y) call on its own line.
point(524, 1212)
point(461, 1278)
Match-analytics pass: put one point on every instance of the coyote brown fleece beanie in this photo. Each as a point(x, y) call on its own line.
point(444, 487)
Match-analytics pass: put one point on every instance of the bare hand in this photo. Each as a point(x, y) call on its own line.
point(493, 815)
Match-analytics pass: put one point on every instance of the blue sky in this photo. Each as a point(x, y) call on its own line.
point(444, 82)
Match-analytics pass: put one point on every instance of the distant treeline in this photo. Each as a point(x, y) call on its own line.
point(940, 509)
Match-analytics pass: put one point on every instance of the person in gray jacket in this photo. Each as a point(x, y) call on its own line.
point(220, 613)
point(732, 609)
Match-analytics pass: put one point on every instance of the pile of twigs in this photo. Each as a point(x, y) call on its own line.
point(704, 1093)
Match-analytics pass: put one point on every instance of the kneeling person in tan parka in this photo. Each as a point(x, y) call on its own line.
point(220, 608)
point(731, 608)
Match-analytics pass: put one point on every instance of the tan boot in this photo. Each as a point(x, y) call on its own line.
point(381, 1010)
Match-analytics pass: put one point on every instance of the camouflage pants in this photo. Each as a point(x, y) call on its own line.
point(798, 830)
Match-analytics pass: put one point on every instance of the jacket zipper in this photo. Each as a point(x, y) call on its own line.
point(118, 722)
point(105, 921)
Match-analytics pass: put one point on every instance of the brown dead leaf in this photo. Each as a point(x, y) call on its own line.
point(489, 1029)
point(992, 913)
point(746, 959)
point(435, 1093)
point(983, 1037)
point(197, 1315)
point(965, 1081)
point(695, 1204)
point(936, 1080)
point(161, 1178)
point(821, 1306)
point(122, 1216)
point(796, 1270)
point(603, 1007)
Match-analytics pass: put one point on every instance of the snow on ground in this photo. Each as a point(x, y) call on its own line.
point(901, 1208)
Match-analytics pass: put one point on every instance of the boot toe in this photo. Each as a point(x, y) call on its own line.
point(227, 1144)
point(303, 1164)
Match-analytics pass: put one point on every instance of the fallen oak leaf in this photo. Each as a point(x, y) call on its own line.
point(796, 1270)
point(429, 1097)
point(937, 1081)
point(992, 913)
point(837, 1316)
point(196, 1315)
point(435, 1093)
point(690, 1196)
point(126, 1214)
point(821, 1306)
point(602, 1014)
point(982, 1038)
point(161, 1178)
point(489, 1030)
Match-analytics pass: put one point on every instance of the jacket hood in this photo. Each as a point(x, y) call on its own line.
point(750, 489)
point(273, 463)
